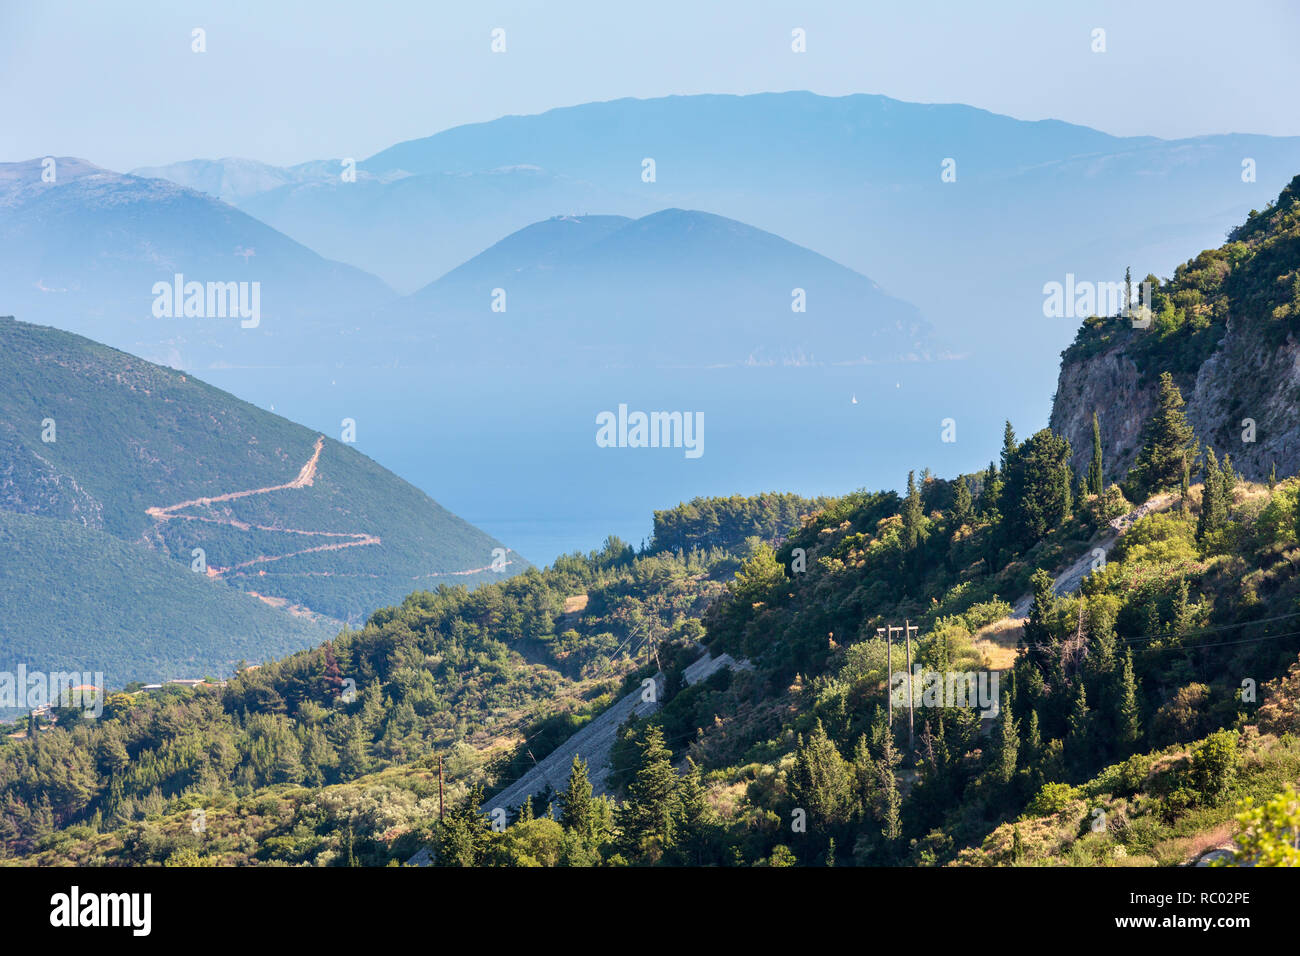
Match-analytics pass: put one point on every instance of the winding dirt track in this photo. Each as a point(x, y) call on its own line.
point(306, 477)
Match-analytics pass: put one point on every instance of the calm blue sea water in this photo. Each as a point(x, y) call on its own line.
point(518, 457)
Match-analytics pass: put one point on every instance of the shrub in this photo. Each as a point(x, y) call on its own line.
point(1214, 766)
point(1052, 798)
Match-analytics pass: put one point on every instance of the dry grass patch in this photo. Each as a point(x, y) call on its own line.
point(998, 643)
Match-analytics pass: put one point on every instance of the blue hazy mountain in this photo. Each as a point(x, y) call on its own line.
point(677, 288)
point(856, 178)
point(85, 252)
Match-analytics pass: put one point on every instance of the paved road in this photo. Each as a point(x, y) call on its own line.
point(1069, 580)
point(592, 743)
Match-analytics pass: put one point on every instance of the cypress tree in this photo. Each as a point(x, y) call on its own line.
point(1067, 500)
point(1078, 741)
point(1229, 482)
point(1128, 722)
point(1213, 508)
point(1272, 478)
point(1095, 480)
point(1033, 738)
point(1167, 442)
point(912, 514)
point(1182, 612)
point(890, 807)
point(864, 772)
point(1008, 743)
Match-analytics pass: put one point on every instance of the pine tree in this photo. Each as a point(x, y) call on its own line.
point(1008, 446)
point(1036, 489)
point(462, 836)
point(1128, 722)
point(820, 781)
point(864, 773)
point(1167, 442)
point(991, 494)
point(648, 819)
point(1037, 638)
point(961, 502)
point(577, 810)
point(696, 817)
point(912, 514)
point(1095, 481)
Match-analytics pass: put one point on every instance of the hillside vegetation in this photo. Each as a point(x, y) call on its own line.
point(1140, 716)
point(74, 598)
point(95, 436)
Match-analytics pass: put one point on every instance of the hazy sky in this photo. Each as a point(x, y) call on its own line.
point(118, 84)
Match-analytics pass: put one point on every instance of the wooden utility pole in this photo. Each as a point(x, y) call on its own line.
point(909, 630)
point(439, 786)
point(889, 672)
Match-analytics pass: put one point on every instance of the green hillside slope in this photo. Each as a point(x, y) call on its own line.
point(74, 598)
point(151, 455)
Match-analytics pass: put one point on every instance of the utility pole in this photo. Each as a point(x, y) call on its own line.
point(909, 629)
point(439, 787)
point(889, 672)
point(890, 666)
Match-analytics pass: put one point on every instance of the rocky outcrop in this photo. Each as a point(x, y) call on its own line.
point(31, 484)
point(1244, 380)
point(1111, 385)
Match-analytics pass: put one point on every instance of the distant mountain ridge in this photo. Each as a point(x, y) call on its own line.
point(87, 251)
point(675, 288)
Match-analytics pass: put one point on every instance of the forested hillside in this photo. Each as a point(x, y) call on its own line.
point(182, 472)
point(1142, 715)
point(491, 679)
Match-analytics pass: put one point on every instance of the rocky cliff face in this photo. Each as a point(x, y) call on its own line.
point(1245, 379)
